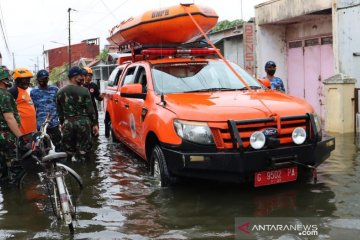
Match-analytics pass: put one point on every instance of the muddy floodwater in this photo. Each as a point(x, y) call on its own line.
point(121, 201)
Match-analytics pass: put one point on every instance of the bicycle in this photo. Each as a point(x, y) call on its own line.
point(43, 170)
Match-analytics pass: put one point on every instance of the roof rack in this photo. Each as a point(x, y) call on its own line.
point(134, 47)
point(157, 51)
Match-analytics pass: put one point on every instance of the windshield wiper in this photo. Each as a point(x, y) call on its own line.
point(252, 87)
point(212, 90)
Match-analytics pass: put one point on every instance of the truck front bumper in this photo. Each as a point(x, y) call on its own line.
point(240, 166)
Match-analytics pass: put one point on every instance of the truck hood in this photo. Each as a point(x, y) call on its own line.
point(222, 106)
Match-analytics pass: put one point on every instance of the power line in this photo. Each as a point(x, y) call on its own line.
point(100, 20)
point(107, 8)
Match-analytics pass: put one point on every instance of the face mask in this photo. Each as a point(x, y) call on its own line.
point(8, 83)
point(43, 83)
point(79, 80)
point(271, 72)
point(23, 83)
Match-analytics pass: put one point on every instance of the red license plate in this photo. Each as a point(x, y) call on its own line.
point(275, 176)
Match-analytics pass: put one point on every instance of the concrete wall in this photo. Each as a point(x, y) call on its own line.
point(346, 14)
point(280, 10)
point(271, 45)
point(319, 27)
point(339, 91)
point(233, 50)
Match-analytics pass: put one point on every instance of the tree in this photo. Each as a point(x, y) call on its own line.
point(103, 55)
point(225, 24)
point(58, 74)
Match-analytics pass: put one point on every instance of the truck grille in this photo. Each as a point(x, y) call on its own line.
point(223, 136)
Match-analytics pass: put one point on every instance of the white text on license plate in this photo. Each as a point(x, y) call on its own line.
point(275, 176)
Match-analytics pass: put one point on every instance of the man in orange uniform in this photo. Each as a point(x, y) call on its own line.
point(24, 103)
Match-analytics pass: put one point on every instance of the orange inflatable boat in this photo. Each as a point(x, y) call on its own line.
point(170, 25)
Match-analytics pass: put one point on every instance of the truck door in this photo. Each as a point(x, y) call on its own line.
point(137, 114)
point(122, 113)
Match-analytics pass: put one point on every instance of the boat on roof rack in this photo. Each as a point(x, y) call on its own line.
point(167, 26)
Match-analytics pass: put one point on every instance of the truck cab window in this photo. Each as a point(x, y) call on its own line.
point(114, 77)
point(141, 78)
point(129, 76)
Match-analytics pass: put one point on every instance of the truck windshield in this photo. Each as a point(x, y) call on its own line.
point(199, 77)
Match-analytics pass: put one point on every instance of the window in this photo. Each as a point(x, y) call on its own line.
point(141, 78)
point(129, 76)
point(114, 77)
point(199, 76)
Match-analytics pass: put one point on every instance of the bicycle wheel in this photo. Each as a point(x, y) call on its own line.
point(37, 189)
point(73, 180)
point(46, 188)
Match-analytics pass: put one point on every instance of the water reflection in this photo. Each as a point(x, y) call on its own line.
point(120, 200)
point(193, 210)
point(341, 173)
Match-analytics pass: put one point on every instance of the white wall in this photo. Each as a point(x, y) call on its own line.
point(271, 45)
point(347, 38)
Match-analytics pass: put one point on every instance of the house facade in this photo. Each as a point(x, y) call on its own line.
point(58, 56)
point(314, 44)
point(230, 43)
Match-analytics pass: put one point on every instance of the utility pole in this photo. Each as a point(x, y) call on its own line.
point(13, 56)
point(44, 55)
point(69, 9)
point(241, 6)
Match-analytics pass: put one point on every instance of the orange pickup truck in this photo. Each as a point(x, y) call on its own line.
point(188, 115)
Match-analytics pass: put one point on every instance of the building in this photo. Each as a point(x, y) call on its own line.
point(230, 43)
point(316, 47)
point(59, 56)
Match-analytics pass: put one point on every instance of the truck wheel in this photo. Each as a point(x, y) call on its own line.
point(113, 138)
point(159, 168)
point(107, 124)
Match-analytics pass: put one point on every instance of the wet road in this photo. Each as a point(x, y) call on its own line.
point(121, 201)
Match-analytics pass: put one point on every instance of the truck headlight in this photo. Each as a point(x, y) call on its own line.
point(299, 135)
point(317, 122)
point(257, 140)
point(197, 132)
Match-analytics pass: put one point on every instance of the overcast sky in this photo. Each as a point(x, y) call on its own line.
point(30, 25)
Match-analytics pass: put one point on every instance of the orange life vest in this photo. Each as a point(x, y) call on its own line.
point(27, 112)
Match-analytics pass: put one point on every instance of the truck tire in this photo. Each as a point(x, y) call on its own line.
point(113, 137)
point(159, 168)
point(107, 124)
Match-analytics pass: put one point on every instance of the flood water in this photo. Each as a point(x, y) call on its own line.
point(121, 201)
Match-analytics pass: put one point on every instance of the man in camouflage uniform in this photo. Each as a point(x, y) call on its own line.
point(77, 115)
point(9, 123)
point(44, 99)
point(93, 89)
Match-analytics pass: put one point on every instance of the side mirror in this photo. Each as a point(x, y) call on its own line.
point(132, 91)
point(265, 82)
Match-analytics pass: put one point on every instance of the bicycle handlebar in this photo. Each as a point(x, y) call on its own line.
point(45, 124)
